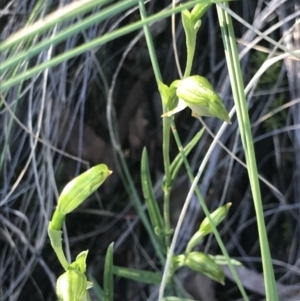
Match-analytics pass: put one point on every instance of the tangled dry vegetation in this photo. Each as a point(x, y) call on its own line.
point(62, 120)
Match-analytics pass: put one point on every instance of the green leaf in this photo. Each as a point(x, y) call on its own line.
point(202, 263)
point(221, 260)
point(168, 95)
point(80, 263)
point(55, 240)
point(108, 283)
point(188, 25)
point(198, 11)
point(164, 91)
point(138, 275)
point(190, 29)
point(55, 237)
point(80, 188)
point(178, 161)
point(153, 209)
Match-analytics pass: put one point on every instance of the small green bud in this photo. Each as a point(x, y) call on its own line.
point(205, 228)
point(217, 216)
point(71, 286)
point(80, 188)
point(197, 93)
point(202, 263)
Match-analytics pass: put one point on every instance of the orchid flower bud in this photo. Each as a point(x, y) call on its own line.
point(80, 188)
point(217, 217)
point(205, 228)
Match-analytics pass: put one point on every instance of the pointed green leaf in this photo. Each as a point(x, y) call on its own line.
point(55, 237)
point(221, 260)
point(177, 162)
point(108, 283)
point(55, 240)
point(168, 95)
point(138, 275)
point(80, 263)
point(153, 209)
point(188, 25)
point(199, 10)
point(164, 91)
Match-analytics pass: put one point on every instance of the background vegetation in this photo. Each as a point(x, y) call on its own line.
point(101, 105)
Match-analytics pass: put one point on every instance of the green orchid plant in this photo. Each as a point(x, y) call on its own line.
point(72, 285)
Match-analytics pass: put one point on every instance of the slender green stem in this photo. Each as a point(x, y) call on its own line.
point(190, 58)
point(190, 36)
point(166, 185)
point(247, 141)
point(166, 126)
point(61, 257)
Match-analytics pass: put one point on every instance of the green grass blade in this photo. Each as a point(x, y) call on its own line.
point(65, 34)
point(108, 282)
point(8, 83)
point(153, 209)
point(63, 14)
point(137, 275)
point(178, 161)
point(235, 74)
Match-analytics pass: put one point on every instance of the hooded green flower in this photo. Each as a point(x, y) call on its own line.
point(198, 94)
point(202, 263)
point(71, 286)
